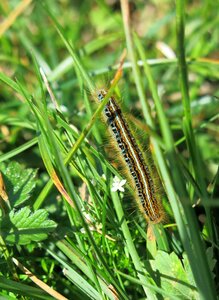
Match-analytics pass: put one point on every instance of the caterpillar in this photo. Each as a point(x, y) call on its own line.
point(143, 182)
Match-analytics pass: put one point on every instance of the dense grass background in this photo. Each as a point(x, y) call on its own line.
point(59, 218)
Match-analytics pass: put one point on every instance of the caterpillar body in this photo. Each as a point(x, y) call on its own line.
point(142, 180)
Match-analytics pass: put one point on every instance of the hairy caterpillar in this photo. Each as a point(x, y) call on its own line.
point(147, 199)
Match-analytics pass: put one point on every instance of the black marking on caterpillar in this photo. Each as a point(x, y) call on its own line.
point(133, 158)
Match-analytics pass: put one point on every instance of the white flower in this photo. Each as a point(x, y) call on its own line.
point(118, 184)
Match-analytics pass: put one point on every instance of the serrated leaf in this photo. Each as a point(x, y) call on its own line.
point(188, 270)
point(19, 182)
point(23, 226)
point(172, 276)
point(211, 260)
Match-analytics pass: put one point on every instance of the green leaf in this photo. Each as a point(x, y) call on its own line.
point(211, 260)
point(173, 277)
point(19, 182)
point(23, 226)
point(21, 289)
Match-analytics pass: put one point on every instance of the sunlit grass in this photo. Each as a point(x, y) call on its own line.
point(102, 247)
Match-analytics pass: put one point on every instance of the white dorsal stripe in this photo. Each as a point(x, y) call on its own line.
point(129, 143)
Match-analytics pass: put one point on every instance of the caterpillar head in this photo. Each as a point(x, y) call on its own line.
point(101, 94)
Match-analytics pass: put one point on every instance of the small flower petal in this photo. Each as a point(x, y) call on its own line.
point(118, 184)
point(123, 182)
point(114, 188)
point(121, 189)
